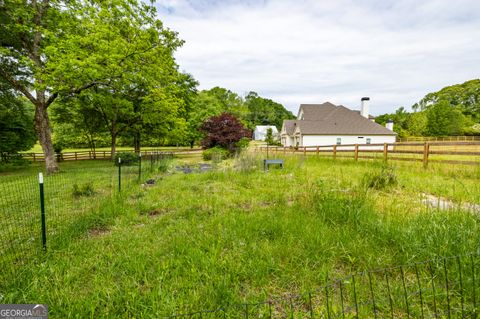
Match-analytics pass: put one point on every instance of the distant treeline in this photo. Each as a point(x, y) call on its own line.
point(454, 110)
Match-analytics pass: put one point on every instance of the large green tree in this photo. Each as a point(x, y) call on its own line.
point(61, 48)
point(444, 120)
point(264, 111)
point(464, 97)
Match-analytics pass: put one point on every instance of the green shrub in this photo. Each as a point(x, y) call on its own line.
point(382, 179)
point(12, 162)
point(128, 158)
point(83, 190)
point(215, 154)
point(243, 143)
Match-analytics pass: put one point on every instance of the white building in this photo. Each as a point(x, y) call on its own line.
point(329, 124)
point(260, 132)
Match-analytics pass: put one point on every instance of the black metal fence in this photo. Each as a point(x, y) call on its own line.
point(443, 287)
point(39, 212)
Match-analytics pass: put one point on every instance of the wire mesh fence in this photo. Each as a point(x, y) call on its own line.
point(443, 287)
point(75, 201)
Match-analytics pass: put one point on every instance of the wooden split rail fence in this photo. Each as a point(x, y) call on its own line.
point(105, 155)
point(467, 153)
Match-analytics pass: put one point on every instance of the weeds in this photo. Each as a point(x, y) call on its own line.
point(381, 180)
point(83, 190)
point(164, 165)
point(246, 162)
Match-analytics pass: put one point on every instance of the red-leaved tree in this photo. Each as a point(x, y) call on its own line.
point(224, 130)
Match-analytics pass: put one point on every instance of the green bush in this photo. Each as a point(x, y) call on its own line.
point(382, 179)
point(128, 158)
point(215, 154)
point(243, 143)
point(12, 161)
point(83, 190)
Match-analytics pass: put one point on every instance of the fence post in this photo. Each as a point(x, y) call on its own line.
point(75, 155)
point(426, 149)
point(139, 166)
point(119, 174)
point(334, 152)
point(34, 159)
point(318, 150)
point(356, 152)
point(42, 211)
point(385, 152)
point(304, 150)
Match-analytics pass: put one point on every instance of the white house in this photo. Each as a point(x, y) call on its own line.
point(260, 132)
point(329, 124)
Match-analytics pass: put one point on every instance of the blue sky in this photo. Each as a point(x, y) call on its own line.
point(309, 51)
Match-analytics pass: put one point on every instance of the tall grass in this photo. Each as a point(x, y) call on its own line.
point(196, 241)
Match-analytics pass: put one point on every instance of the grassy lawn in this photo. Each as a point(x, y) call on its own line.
point(236, 234)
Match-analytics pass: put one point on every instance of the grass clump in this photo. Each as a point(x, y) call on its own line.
point(380, 180)
point(83, 190)
point(216, 154)
point(164, 165)
point(246, 162)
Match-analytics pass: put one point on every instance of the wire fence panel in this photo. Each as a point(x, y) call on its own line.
point(444, 287)
point(20, 217)
point(77, 202)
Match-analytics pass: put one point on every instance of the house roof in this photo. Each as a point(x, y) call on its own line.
point(370, 117)
point(327, 118)
point(289, 126)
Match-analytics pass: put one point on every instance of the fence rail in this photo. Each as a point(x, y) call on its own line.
point(442, 287)
point(467, 153)
point(103, 155)
point(437, 138)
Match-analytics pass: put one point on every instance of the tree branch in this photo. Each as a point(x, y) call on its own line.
point(18, 86)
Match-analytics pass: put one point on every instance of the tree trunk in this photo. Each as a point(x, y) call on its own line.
point(113, 148)
point(42, 127)
point(136, 142)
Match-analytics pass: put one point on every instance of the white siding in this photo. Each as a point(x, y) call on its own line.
point(287, 141)
point(319, 140)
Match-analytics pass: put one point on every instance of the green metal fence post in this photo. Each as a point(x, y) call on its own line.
point(42, 210)
point(119, 174)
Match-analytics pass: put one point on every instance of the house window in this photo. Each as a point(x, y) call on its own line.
point(369, 141)
point(339, 140)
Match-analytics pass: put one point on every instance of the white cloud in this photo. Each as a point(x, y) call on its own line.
point(314, 51)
